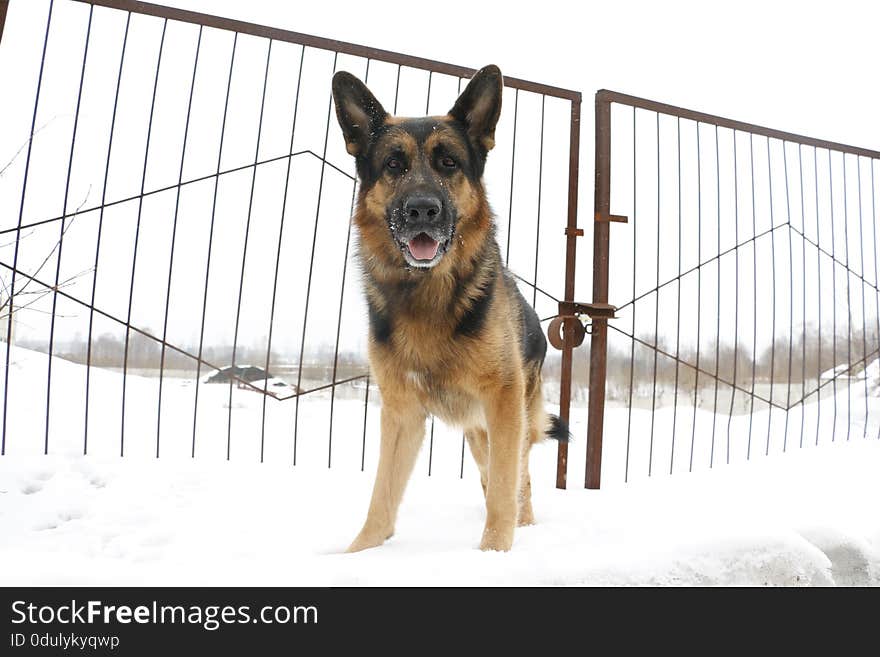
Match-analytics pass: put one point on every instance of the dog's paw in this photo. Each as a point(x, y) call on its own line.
point(366, 540)
point(495, 540)
point(525, 516)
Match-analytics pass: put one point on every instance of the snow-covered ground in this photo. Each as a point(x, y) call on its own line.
point(805, 517)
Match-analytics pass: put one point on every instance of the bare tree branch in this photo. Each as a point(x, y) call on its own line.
point(23, 237)
point(26, 142)
point(54, 249)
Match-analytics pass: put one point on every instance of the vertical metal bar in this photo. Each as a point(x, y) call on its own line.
point(461, 471)
point(4, 5)
point(733, 388)
point(717, 293)
point(192, 87)
point(396, 90)
point(699, 296)
point(874, 219)
point(512, 169)
point(540, 185)
point(63, 228)
point(302, 346)
point(431, 448)
point(98, 239)
point(599, 334)
point(364, 437)
point(790, 299)
point(804, 299)
point(244, 250)
point(656, 309)
point(632, 346)
point(862, 279)
point(137, 232)
point(428, 98)
point(772, 299)
point(754, 293)
point(27, 165)
point(278, 255)
point(570, 259)
point(833, 299)
point(819, 298)
point(211, 244)
point(677, 301)
point(848, 303)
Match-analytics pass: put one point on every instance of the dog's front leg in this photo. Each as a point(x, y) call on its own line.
point(505, 420)
point(403, 430)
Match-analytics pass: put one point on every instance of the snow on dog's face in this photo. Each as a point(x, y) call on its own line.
point(420, 177)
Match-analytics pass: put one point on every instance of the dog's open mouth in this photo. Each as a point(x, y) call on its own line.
point(423, 247)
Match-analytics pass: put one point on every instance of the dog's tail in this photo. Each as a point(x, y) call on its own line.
point(558, 429)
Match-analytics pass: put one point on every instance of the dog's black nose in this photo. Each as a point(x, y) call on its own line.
point(426, 208)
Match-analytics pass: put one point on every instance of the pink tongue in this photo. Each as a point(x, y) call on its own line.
point(423, 247)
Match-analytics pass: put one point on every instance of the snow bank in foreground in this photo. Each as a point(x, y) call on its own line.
point(805, 518)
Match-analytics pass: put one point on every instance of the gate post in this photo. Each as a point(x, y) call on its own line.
point(599, 332)
point(4, 5)
point(572, 232)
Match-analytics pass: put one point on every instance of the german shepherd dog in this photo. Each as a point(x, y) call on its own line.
point(450, 333)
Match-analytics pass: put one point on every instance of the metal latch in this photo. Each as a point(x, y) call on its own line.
point(617, 218)
point(567, 324)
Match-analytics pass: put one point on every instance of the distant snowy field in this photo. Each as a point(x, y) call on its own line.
point(807, 517)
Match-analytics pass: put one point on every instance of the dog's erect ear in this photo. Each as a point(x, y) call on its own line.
point(479, 106)
point(358, 111)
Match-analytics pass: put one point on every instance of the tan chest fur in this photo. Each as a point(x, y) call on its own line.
point(425, 361)
point(426, 358)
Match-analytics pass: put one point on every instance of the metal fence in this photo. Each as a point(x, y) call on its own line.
point(173, 205)
point(743, 275)
point(175, 209)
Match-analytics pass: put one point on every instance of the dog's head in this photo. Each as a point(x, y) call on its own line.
point(420, 177)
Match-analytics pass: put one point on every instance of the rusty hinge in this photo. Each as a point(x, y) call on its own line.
point(574, 232)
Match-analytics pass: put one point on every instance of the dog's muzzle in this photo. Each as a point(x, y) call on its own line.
point(426, 231)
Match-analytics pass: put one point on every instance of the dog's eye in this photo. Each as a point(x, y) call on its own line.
point(448, 163)
point(393, 164)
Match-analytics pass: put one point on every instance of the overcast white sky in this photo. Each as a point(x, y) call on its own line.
point(809, 67)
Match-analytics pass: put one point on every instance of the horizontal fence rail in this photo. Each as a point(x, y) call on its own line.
point(175, 246)
point(745, 286)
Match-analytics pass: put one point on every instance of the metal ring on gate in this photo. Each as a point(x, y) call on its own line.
point(558, 326)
